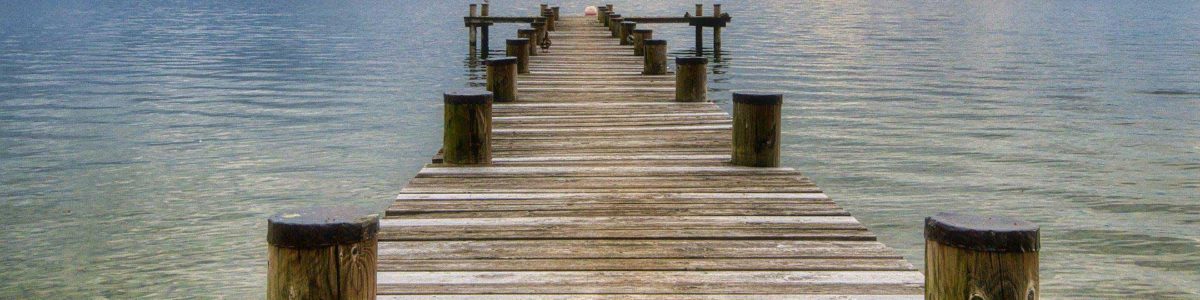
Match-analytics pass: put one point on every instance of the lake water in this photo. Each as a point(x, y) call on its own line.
point(143, 144)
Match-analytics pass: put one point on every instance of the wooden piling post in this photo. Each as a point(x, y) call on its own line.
point(614, 24)
point(530, 34)
point(976, 257)
point(608, 9)
point(601, 14)
point(555, 14)
point(473, 30)
point(655, 60)
point(322, 253)
point(756, 132)
point(519, 48)
point(467, 136)
point(699, 31)
point(545, 11)
point(540, 31)
point(639, 39)
point(626, 30)
point(691, 79)
point(717, 31)
point(502, 78)
point(483, 32)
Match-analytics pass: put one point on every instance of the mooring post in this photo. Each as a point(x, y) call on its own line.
point(717, 31)
point(467, 136)
point(639, 39)
point(471, 33)
point(502, 78)
point(530, 34)
point(322, 253)
point(549, 15)
point(614, 24)
point(691, 79)
point(555, 10)
point(756, 132)
point(626, 30)
point(601, 14)
point(483, 31)
point(539, 27)
point(655, 60)
point(518, 48)
point(699, 31)
point(608, 11)
point(977, 257)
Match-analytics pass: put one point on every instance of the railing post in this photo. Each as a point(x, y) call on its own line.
point(322, 253)
point(502, 78)
point(976, 257)
point(518, 48)
point(699, 31)
point(471, 33)
point(691, 79)
point(639, 39)
point(756, 132)
point(614, 24)
point(467, 138)
point(717, 31)
point(530, 34)
point(655, 60)
point(626, 30)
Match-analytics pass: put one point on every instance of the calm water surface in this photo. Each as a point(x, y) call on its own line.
point(142, 145)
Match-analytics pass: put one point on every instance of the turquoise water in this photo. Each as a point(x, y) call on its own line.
point(142, 145)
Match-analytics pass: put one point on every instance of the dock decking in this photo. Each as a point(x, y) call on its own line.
point(603, 187)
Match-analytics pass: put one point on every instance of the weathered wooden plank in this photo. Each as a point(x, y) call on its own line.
point(656, 282)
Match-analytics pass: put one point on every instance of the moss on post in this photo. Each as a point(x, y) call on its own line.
point(756, 129)
point(976, 257)
point(691, 79)
point(322, 253)
point(467, 138)
point(655, 60)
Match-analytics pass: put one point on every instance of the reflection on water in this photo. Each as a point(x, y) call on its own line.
point(144, 144)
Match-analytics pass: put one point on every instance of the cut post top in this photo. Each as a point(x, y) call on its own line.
point(655, 42)
point(980, 233)
point(467, 96)
point(642, 30)
point(691, 60)
point(758, 98)
point(517, 42)
point(319, 227)
point(507, 60)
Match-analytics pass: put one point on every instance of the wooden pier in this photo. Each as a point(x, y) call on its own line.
point(590, 172)
point(603, 185)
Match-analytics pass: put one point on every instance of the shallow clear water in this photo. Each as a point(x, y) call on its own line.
point(142, 145)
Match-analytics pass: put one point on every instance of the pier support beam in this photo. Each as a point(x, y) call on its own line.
point(322, 253)
point(467, 139)
point(502, 78)
point(655, 60)
point(699, 31)
point(529, 34)
point(691, 79)
point(639, 39)
point(976, 257)
point(483, 31)
point(717, 32)
point(473, 30)
point(518, 48)
point(626, 30)
point(756, 129)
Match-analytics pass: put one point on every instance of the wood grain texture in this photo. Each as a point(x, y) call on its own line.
point(603, 186)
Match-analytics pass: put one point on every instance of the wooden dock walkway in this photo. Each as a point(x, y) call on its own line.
point(602, 186)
